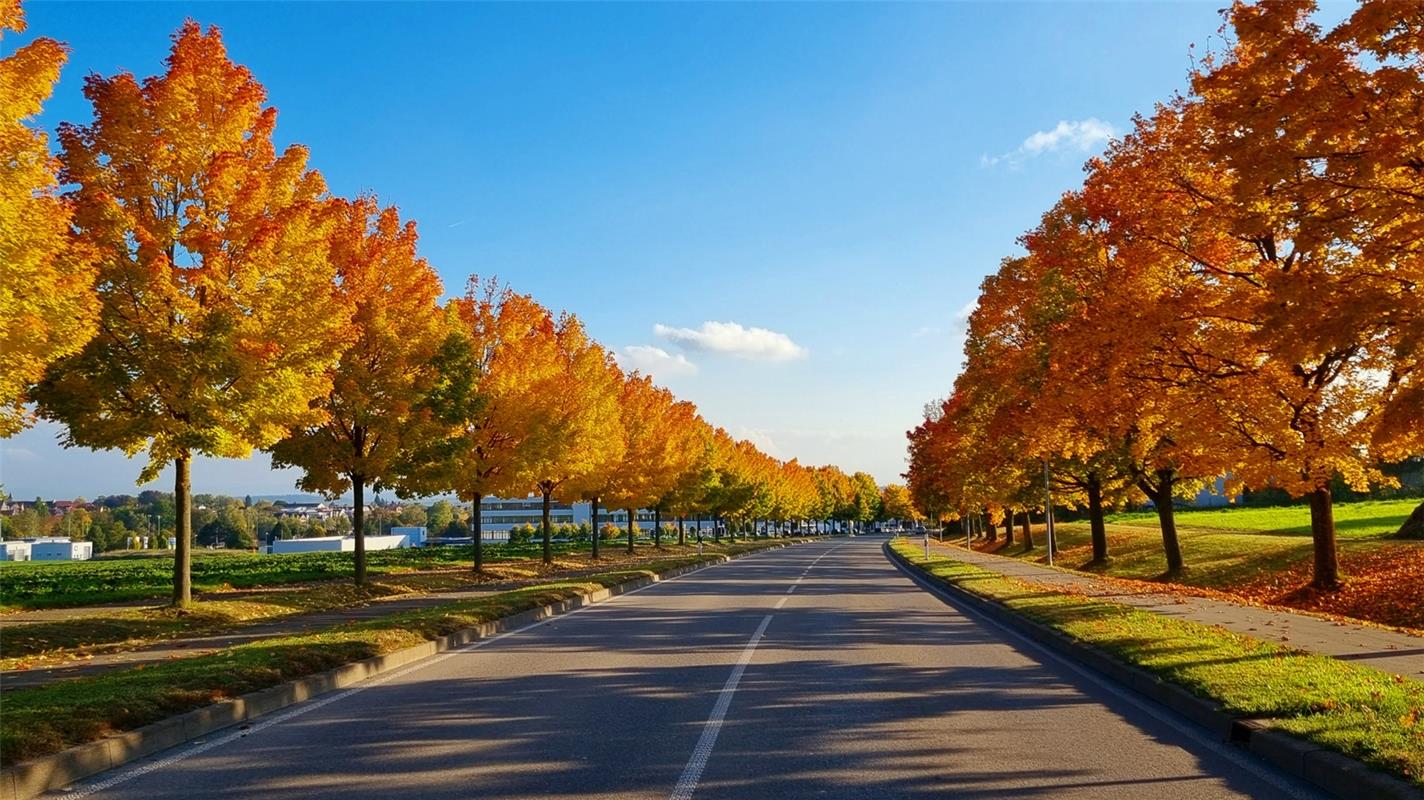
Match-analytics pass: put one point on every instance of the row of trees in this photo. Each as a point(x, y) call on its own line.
point(196, 291)
point(1236, 290)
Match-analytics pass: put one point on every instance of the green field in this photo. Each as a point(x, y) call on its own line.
point(30, 584)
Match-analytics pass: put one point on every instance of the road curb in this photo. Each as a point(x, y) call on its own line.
point(1329, 770)
point(32, 778)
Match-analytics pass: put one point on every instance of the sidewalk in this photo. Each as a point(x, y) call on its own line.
point(1390, 651)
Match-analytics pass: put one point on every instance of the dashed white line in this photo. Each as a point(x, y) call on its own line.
point(692, 773)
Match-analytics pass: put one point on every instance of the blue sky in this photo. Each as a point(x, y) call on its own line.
point(841, 176)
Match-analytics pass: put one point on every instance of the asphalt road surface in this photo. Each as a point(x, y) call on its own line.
point(813, 671)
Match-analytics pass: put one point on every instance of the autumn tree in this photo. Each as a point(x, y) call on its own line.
point(568, 448)
point(218, 314)
point(371, 415)
point(697, 481)
point(895, 503)
point(658, 446)
point(47, 301)
point(488, 372)
point(1284, 189)
point(865, 498)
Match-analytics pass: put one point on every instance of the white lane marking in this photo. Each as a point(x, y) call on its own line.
point(687, 784)
point(1245, 761)
point(781, 602)
point(126, 775)
point(792, 589)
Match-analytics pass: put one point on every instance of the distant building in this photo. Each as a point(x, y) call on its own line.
point(415, 535)
point(337, 544)
point(14, 551)
point(57, 549)
point(10, 508)
point(498, 515)
point(311, 511)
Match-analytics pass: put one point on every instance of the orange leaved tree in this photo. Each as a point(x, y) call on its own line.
point(218, 314)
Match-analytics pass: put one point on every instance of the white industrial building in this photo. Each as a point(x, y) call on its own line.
point(58, 549)
point(414, 534)
point(14, 551)
point(337, 544)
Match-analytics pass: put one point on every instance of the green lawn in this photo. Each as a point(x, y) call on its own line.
point(1361, 712)
point(1235, 549)
point(1367, 519)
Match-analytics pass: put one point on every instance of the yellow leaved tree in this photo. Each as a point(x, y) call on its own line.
point(372, 414)
point(47, 302)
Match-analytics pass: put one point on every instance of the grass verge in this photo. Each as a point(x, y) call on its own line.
point(1363, 713)
point(50, 718)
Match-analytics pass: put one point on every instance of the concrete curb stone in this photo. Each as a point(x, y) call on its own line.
point(1333, 772)
point(32, 778)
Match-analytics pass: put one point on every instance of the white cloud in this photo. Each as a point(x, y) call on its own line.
point(654, 361)
point(1081, 136)
point(762, 439)
point(961, 317)
point(731, 338)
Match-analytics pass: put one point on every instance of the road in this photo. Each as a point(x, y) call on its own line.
point(813, 671)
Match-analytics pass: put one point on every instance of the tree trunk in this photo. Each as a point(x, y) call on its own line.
point(1095, 519)
point(596, 532)
point(632, 523)
point(358, 524)
point(1167, 519)
point(183, 530)
point(477, 533)
point(716, 529)
point(657, 528)
point(681, 533)
point(1322, 531)
point(1008, 527)
point(1027, 530)
point(698, 520)
point(548, 530)
point(991, 532)
point(1413, 527)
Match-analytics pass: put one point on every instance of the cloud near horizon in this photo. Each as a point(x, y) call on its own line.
point(652, 360)
point(731, 338)
point(1080, 135)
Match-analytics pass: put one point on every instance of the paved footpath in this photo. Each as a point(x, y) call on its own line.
point(1391, 651)
point(814, 671)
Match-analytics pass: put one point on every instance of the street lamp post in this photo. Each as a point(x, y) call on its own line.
point(1048, 511)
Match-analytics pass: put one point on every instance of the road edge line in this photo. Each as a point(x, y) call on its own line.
point(1326, 769)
